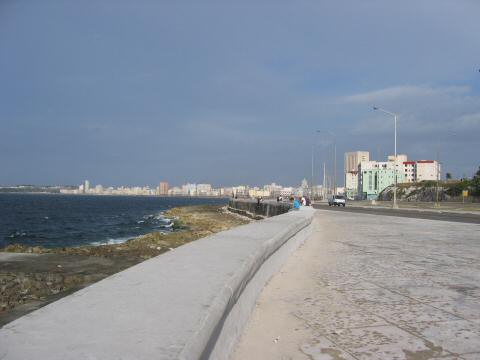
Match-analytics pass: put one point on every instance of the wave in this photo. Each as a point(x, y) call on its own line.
point(111, 241)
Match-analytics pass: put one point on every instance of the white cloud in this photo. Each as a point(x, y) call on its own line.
point(401, 92)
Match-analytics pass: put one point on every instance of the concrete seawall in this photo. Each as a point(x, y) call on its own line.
point(190, 303)
point(254, 210)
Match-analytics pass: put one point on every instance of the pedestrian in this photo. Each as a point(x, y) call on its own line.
point(296, 204)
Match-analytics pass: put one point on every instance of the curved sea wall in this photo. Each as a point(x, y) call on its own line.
point(255, 210)
point(190, 303)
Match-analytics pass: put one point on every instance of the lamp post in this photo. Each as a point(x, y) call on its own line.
point(312, 191)
point(334, 158)
point(311, 186)
point(395, 206)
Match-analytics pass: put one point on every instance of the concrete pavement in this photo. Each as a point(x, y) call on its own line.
point(372, 287)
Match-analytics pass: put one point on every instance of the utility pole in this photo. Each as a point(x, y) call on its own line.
point(437, 204)
point(324, 181)
point(334, 167)
point(311, 185)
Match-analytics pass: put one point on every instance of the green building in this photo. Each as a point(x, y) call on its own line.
point(372, 181)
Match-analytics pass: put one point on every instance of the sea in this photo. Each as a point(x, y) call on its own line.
point(55, 220)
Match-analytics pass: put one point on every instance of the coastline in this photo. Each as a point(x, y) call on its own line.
point(32, 277)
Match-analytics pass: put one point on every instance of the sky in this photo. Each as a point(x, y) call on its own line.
point(232, 92)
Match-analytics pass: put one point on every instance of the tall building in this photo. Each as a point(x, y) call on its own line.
point(354, 158)
point(86, 186)
point(351, 164)
point(163, 188)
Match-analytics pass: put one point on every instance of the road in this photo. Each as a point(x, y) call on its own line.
point(443, 215)
point(370, 287)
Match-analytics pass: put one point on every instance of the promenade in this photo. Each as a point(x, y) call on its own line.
point(368, 286)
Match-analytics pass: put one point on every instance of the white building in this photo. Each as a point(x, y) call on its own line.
point(400, 158)
point(273, 188)
point(286, 192)
point(421, 170)
point(204, 189)
point(86, 186)
point(256, 192)
point(427, 170)
point(189, 189)
point(175, 191)
point(351, 164)
point(410, 171)
point(353, 160)
point(351, 184)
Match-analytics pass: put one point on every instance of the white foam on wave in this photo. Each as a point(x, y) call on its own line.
point(111, 241)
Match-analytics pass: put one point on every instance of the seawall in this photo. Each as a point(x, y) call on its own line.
point(190, 303)
point(255, 210)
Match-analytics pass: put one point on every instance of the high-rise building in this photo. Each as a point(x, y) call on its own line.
point(86, 186)
point(352, 162)
point(163, 188)
point(353, 159)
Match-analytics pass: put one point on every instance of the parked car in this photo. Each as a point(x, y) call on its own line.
point(337, 200)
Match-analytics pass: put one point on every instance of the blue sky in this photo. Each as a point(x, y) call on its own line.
point(229, 92)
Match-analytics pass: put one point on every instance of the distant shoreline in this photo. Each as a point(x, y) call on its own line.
point(119, 195)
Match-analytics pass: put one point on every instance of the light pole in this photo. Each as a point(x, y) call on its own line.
point(334, 158)
point(311, 186)
point(312, 191)
point(395, 206)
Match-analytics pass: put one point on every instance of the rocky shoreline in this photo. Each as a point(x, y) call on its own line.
point(31, 277)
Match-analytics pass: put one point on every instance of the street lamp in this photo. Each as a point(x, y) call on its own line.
point(334, 158)
point(312, 191)
point(395, 206)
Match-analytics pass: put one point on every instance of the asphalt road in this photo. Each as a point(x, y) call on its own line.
point(409, 213)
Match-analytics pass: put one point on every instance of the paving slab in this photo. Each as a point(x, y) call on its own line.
point(372, 287)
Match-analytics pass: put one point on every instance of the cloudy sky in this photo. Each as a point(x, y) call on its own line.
point(230, 92)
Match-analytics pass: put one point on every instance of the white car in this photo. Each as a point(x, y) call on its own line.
point(337, 200)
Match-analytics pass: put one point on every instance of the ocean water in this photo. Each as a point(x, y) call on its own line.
point(69, 220)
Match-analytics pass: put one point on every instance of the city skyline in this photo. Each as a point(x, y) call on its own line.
point(227, 93)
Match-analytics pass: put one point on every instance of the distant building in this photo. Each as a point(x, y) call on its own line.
point(204, 189)
point(353, 159)
point(427, 170)
point(401, 158)
point(189, 189)
point(351, 184)
point(410, 171)
point(375, 176)
point(421, 170)
point(255, 193)
point(273, 189)
point(163, 188)
point(286, 192)
point(351, 164)
point(86, 186)
point(175, 191)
